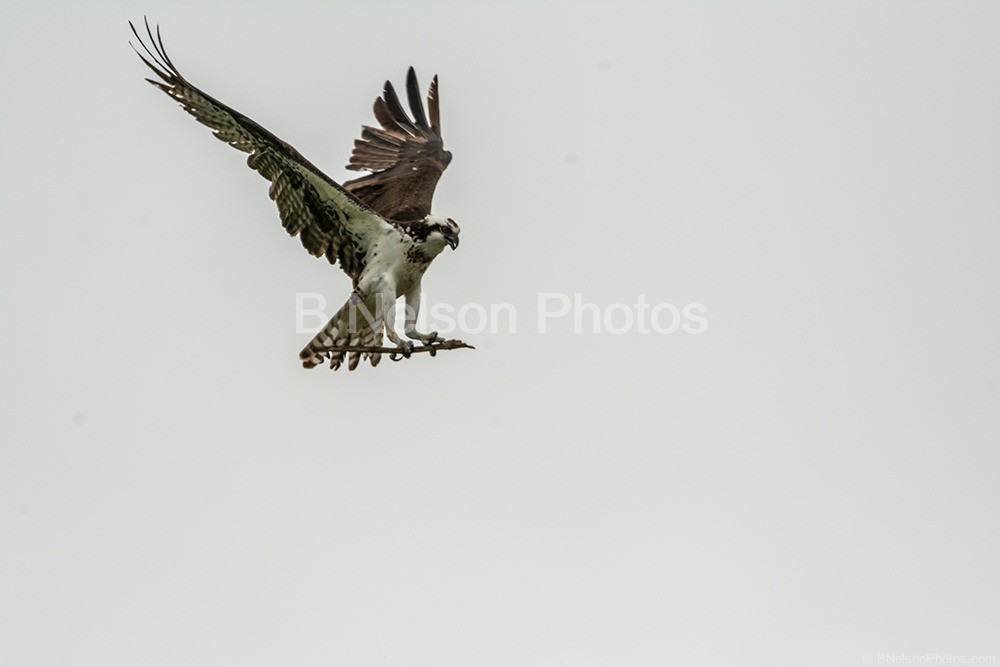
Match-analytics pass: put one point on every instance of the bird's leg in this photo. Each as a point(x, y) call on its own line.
point(412, 310)
point(387, 306)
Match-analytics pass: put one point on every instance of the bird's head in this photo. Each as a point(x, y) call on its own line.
point(442, 230)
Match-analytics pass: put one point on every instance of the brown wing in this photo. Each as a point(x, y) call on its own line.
point(328, 219)
point(406, 157)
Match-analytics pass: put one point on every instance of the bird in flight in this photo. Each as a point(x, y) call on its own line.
point(378, 227)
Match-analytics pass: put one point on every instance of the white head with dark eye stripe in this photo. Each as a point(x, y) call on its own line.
point(442, 230)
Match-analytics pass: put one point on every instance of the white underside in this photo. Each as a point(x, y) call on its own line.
point(388, 275)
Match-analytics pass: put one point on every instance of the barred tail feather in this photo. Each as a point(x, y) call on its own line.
point(355, 324)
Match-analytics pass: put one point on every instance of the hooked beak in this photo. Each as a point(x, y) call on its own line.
point(452, 240)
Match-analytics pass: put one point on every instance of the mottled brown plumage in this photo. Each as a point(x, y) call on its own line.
point(333, 223)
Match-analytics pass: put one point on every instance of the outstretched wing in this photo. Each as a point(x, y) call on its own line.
point(407, 157)
point(328, 219)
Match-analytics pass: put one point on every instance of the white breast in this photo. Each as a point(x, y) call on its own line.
point(389, 262)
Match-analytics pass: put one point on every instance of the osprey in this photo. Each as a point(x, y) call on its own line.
point(378, 228)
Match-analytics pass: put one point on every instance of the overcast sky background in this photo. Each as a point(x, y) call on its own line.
point(812, 479)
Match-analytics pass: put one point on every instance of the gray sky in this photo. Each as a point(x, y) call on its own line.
point(811, 479)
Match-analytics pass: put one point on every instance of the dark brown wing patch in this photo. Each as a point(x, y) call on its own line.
point(406, 156)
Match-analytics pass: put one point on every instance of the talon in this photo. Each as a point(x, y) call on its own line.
point(426, 338)
point(405, 348)
point(395, 356)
